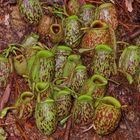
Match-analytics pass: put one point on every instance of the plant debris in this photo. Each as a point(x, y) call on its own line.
point(14, 30)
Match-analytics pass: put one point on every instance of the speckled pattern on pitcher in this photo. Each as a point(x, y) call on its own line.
point(46, 116)
point(30, 10)
point(83, 110)
point(106, 119)
point(72, 32)
point(4, 71)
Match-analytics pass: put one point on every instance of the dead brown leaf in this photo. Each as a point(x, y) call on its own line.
point(5, 96)
point(128, 4)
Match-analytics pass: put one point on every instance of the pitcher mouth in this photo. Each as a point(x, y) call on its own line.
point(73, 17)
point(20, 58)
point(42, 86)
point(62, 93)
point(133, 47)
point(105, 5)
point(88, 6)
point(74, 57)
point(111, 101)
point(103, 47)
point(99, 80)
point(45, 54)
point(80, 67)
point(85, 98)
point(47, 101)
point(65, 48)
point(27, 96)
point(55, 28)
point(97, 24)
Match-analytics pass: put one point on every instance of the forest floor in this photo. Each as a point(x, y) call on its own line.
point(13, 29)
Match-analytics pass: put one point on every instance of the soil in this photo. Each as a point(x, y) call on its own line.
point(13, 29)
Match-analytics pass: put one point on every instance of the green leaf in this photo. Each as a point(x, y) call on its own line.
point(62, 122)
point(129, 78)
point(3, 113)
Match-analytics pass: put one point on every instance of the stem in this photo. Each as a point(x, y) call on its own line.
point(38, 97)
point(67, 130)
point(5, 124)
point(128, 126)
point(122, 42)
point(113, 81)
point(84, 28)
point(88, 128)
point(83, 50)
point(124, 106)
point(70, 90)
point(65, 11)
point(62, 122)
point(128, 76)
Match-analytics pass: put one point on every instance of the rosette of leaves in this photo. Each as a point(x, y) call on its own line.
point(106, 12)
point(83, 110)
point(98, 33)
point(79, 77)
point(87, 14)
point(31, 10)
point(72, 31)
point(61, 55)
point(43, 67)
point(46, 116)
point(73, 7)
point(129, 61)
point(95, 86)
point(5, 69)
point(107, 115)
point(104, 61)
point(64, 103)
point(24, 105)
point(56, 33)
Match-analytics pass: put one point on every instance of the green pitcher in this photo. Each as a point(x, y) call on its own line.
point(95, 86)
point(106, 12)
point(64, 103)
point(107, 115)
point(61, 56)
point(46, 116)
point(5, 69)
point(72, 31)
point(104, 61)
point(87, 14)
point(30, 10)
point(83, 110)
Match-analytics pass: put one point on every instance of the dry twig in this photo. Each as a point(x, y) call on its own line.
point(67, 130)
point(5, 96)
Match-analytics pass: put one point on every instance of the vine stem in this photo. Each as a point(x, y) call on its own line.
point(111, 80)
point(68, 127)
point(128, 126)
point(122, 42)
point(92, 126)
